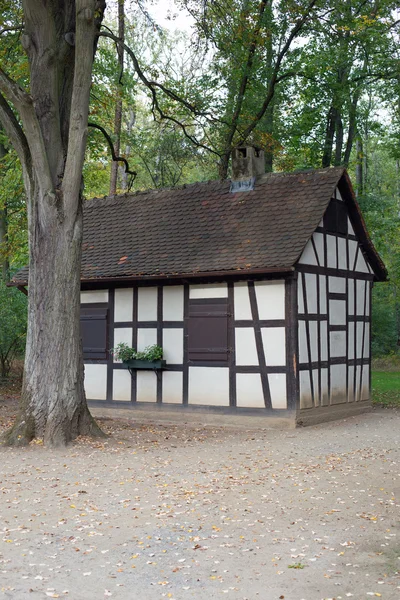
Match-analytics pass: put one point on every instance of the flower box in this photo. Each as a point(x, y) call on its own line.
point(150, 365)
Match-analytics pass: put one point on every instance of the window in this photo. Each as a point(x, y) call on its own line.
point(335, 218)
point(94, 331)
point(208, 330)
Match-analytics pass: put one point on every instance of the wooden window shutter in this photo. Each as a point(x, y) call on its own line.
point(208, 330)
point(94, 332)
point(335, 218)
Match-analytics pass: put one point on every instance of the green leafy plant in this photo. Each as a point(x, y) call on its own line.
point(13, 311)
point(296, 566)
point(124, 352)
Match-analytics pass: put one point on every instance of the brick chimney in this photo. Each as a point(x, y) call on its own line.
point(247, 164)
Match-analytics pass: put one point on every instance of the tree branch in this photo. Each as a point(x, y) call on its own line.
point(153, 84)
point(15, 133)
point(114, 156)
point(271, 87)
point(32, 132)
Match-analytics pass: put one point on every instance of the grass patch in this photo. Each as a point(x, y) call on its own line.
point(386, 388)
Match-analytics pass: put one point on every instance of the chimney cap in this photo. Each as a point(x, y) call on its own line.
point(247, 163)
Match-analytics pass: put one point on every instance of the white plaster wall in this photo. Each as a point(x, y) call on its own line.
point(338, 195)
point(147, 304)
point(351, 340)
point(214, 290)
point(172, 387)
point(352, 253)
point(274, 344)
point(270, 299)
point(146, 390)
point(316, 387)
point(277, 388)
point(173, 303)
point(324, 401)
point(342, 253)
point(358, 381)
point(338, 384)
point(173, 345)
point(122, 335)
point(241, 300)
point(322, 294)
point(308, 257)
point(311, 291)
point(360, 296)
point(319, 245)
point(146, 337)
point(337, 285)
point(122, 385)
point(300, 299)
point(361, 264)
point(366, 340)
point(359, 333)
point(331, 251)
point(305, 389)
point(338, 343)
point(94, 296)
point(303, 351)
point(313, 327)
point(249, 392)
point(337, 312)
point(123, 305)
point(365, 383)
point(324, 340)
point(350, 395)
point(245, 346)
point(96, 382)
point(368, 304)
point(209, 385)
point(350, 296)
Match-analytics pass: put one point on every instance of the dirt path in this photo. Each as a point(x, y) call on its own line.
point(159, 512)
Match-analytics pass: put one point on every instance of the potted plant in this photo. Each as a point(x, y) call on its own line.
point(150, 358)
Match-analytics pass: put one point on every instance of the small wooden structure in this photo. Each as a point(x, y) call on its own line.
point(260, 298)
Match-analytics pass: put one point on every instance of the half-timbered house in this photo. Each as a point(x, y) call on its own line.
point(258, 290)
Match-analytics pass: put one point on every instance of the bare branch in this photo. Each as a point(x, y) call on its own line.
point(153, 84)
point(10, 29)
point(114, 157)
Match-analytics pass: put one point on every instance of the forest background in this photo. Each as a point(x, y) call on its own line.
point(314, 83)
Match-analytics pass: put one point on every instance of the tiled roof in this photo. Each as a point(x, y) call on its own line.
point(204, 228)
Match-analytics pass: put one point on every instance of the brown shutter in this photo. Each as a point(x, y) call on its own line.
point(208, 330)
point(94, 332)
point(335, 218)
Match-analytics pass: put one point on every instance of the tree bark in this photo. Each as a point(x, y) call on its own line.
point(339, 139)
point(118, 105)
point(4, 261)
point(359, 168)
point(329, 135)
point(51, 147)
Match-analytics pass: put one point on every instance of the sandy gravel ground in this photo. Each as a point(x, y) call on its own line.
point(159, 512)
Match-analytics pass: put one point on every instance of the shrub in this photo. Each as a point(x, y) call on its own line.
point(13, 319)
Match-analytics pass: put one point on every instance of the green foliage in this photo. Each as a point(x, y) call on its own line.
point(13, 316)
point(386, 388)
point(124, 352)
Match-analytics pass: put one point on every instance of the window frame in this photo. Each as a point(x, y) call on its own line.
point(100, 308)
point(206, 309)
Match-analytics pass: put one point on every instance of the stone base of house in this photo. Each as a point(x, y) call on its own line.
point(196, 417)
point(323, 414)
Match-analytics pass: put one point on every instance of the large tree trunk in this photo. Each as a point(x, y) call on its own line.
point(53, 405)
point(51, 147)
